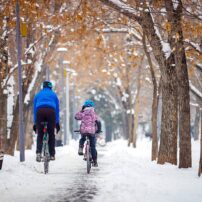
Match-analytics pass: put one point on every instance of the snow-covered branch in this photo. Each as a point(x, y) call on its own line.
point(123, 8)
point(195, 46)
point(12, 70)
point(121, 30)
point(195, 91)
point(199, 66)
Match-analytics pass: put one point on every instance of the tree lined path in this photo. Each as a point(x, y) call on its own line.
point(141, 64)
point(123, 174)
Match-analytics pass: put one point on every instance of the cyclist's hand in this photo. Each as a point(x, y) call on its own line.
point(57, 127)
point(34, 128)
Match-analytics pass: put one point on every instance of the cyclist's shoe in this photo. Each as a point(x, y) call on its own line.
point(52, 158)
point(80, 152)
point(95, 164)
point(38, 157)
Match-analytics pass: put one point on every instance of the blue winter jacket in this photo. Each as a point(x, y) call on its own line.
point(46, 98)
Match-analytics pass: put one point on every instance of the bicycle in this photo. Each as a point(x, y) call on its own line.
point(87, 153)
point(45, 148)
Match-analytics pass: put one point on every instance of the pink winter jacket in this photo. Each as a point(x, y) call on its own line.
point(88, 118)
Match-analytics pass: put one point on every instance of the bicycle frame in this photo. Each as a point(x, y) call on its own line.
point(45, 148)
point(87, 153)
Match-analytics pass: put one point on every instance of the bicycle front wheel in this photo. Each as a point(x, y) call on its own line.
point(88, 159)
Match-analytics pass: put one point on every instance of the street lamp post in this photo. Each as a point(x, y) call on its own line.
point(67, 72)
point(19, 47)
point(63, 50)
point(74, 108)
point(66, 138)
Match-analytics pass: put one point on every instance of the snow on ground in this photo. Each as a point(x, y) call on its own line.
point(124, 174)
point(133, 177)
point(26, 181)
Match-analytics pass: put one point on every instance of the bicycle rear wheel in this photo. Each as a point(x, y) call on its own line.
point(46, 160)
point(88, 158)
point(46, 165)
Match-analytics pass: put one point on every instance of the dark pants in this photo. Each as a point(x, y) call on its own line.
point(92, 145)
point(46, 115)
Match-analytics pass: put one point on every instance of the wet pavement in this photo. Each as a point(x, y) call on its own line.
point(83, 188)
point(82, 191)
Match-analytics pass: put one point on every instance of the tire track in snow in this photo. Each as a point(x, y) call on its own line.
point(84, 187)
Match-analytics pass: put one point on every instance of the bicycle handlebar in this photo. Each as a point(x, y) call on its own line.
point(78, 131)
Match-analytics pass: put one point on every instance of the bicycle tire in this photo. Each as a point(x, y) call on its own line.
point(46, 165)
point(88, 159)
point(46, 160)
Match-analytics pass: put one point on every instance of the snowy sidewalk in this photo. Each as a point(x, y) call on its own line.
point(124, 174)
point(26, 181)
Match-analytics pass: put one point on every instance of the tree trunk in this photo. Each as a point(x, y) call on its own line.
point(28, 127)
point(11, 143)
point(135, 121)
point(125, 126)
point(168, 143)
point(185, 160)
point(130, 137)
point(154, 125)
point(4, 69)
point(127, 135)
point(130, 130)
point(177, 45)
point(137, 104)
point(129, 115)
point(154, 153)
point(3, 119)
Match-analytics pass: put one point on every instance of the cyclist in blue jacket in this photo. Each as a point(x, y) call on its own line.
point(46, 109)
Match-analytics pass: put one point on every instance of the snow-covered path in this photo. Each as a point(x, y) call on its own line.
point(67, 180)
point(124, 174)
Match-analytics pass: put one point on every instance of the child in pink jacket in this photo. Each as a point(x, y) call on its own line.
point(88, 127)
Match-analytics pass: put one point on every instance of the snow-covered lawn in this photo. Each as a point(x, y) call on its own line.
point(124, 174)
point(129, 175)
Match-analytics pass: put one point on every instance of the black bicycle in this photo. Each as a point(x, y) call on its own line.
point(87, 153)
point(45, 148)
